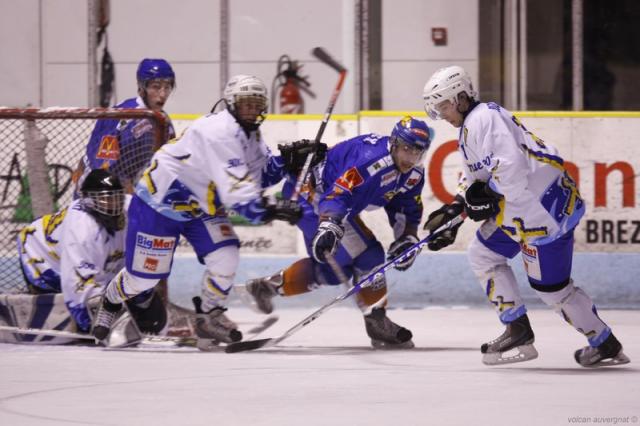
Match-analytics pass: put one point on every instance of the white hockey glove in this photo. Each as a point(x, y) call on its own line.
point(400, 245)
point(326, 239)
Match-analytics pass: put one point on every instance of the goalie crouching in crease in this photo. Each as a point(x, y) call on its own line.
point(67, 259)
point(367, 172)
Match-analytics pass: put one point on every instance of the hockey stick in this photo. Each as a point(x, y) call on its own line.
point(249, 345)
point(324, 57)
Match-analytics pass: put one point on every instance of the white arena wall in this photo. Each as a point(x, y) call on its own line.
point(602, 149)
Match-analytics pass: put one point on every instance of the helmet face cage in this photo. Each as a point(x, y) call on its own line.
point(445, 85)
point(108, 202)
point(246, 98)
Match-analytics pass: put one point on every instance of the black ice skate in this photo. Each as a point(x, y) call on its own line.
point(514, 345)
point(262, 290)
point(214, 327)
point(107, 313)
point(608, 353)
point(384, 333)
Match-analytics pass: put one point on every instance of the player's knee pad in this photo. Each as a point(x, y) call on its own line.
point(222, 265)
point(149, 313)
point(577, 308)
point(124, 286)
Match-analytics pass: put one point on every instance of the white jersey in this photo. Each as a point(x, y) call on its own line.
point(541, 201)
point(213, 164)
point(71, 244)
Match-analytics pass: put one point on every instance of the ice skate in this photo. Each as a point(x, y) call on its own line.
point(213, 327)
point(107, 314)
point(607, 354)
point(261, 291)
point(384, 333)
point(514, 345)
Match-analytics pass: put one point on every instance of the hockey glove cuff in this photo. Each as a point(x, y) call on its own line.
point(295, 154)
point(326, 239)
point(398, 247)
point(481, 202)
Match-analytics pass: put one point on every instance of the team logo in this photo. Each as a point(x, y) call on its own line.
point(109, 148)
point(350, 179)
point(389, 177)
point(151, 264)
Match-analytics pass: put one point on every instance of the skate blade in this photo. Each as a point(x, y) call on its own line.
point(619, 359)
point(380, 345)
point(517, 354)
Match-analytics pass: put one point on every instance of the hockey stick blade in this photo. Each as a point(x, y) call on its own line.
point(248, 345)
point(323, 56)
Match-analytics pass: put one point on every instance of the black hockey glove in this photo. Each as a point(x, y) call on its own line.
point(439, 217)
point(481, 202)
point(279, 209)
point(326, 239)
point(400, 245)
point(295, 154)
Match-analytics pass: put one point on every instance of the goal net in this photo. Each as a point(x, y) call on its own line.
point(40, 153)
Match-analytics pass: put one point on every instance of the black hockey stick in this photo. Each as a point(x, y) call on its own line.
point(324, 57)
point(249, 345)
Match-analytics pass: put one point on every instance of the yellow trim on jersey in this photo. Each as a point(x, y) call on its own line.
point(147, 177)
point(211, 198)
point(50, 223)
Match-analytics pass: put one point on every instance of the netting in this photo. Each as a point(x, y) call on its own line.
point(39, 158)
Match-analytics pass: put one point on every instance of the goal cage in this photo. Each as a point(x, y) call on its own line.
point(40, 154)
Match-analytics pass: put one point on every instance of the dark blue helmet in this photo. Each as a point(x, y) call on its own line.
point(152, 69)
point(413, 132)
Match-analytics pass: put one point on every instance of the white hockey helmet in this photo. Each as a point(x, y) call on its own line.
point(247, 87)
point(445, 85)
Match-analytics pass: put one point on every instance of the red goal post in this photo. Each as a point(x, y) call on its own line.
point(40, 150)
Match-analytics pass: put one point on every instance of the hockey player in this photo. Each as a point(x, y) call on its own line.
point(368, 171)
point(517, 186)
point(77, 251)
point(125, 147)
point(221, 161)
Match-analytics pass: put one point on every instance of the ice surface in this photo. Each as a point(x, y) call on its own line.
point(327, 374)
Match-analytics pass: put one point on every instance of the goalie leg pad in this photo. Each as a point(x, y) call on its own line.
point(46, 311)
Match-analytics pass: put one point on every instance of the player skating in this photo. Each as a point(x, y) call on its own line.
point(517, 186)
point(368, 171)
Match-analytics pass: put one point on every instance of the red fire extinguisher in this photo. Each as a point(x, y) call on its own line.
point(289, 84)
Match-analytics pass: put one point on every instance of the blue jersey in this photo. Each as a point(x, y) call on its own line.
point(359, 174)
point(124, 147)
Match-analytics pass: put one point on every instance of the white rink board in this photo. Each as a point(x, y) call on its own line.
point(590, 142)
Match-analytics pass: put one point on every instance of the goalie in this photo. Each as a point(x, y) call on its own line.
point(67, 259)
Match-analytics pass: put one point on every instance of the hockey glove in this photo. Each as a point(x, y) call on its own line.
point(398, 247)
point(295, 154)
point(481, 202)
point(279, 209)
point(439, 217)
point(326, 239)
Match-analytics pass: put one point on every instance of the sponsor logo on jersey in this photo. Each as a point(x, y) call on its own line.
point(109, 148)
point(388, 177)
point(235, 162)
point(140, 128)
point(151, 242)
point(151, 264)
point(226, 230)
point(350, 179)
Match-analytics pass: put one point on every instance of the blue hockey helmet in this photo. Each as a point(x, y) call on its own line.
point(410, 140)
point(154, 69)
point(413, 132)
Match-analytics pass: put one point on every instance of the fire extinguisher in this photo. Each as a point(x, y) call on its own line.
point(287, 85)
